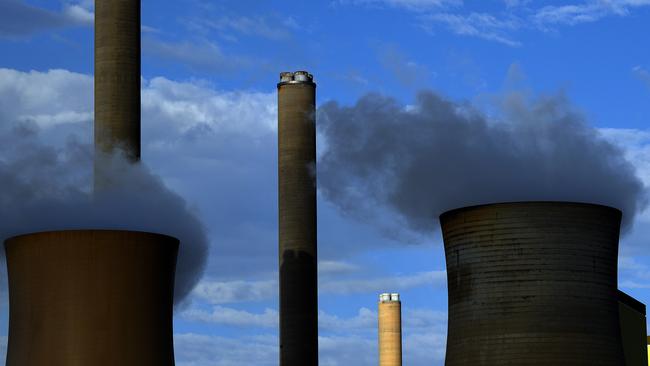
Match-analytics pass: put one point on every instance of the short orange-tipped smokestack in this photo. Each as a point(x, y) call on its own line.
point(390, 330)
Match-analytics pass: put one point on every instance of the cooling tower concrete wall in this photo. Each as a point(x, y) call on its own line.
point(117, 80)
point(532, 283)
point(297, 220)
point(91, 297)
point(390, 330)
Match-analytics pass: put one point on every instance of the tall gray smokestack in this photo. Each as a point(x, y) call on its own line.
point(117, 80)
point(532, 283)
point(297, 219)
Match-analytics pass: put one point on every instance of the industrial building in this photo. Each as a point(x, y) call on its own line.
point(97, 297)
point(297, 219)
point(390, 330)
point(632, 314)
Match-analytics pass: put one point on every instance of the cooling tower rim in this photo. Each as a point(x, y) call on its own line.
point(531, 203)
point(88, 231)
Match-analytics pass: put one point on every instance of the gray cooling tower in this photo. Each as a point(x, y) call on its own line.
point(532, 283)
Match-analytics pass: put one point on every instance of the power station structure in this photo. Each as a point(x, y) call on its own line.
point(297, 219)
point(91, 297)
point(97, 297)
point(390, 330)
point(532, 283)
point(632, 315)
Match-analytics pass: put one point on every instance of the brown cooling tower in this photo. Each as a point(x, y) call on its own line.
point(297, 219)
point(91, 297)
point(532, 283)
point(117, 80)
point(390, 330)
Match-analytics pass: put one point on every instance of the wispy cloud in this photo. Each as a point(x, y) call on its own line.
point(19, 19)
point(233, 317)
point(501, 26)
point(231, 27)
point(586, 12)
point(416, 5)
point(642, 74)
point(376, 285)
point(202, 55)
point(481, 25)
point(225, 292)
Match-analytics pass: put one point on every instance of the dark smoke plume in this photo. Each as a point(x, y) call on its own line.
point(436, 155)
point(46, 187)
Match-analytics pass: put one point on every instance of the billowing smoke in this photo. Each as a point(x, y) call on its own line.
point(49, 187)
point(421, 160)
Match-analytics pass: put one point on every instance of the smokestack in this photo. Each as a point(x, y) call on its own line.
point(390, 330)
point(297, 219)
point(533, 283)
point(91, 297)
point(117, 81)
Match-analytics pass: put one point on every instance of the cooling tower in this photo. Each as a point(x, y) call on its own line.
point(297, 219)
point(117, 82)
point(532, 283)
point(390, 330)
point(91, 297)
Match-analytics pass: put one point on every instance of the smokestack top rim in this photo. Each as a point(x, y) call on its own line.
point(88, 231)
point(527, 203)
point(296, 77)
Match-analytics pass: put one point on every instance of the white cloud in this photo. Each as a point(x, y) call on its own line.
point(335, 267)
point(228, 316)
point(46, 98)
point(481, 25)
point(586, 12)
point(223, 292)
point(80, 14)
point(642, 74)
point(376, 285)
point(20, 19)
point(270, 27)
point(202, 55)
point(415, 5)
point(192, 349)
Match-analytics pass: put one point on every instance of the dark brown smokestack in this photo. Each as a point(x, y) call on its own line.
point(532, 283)
point(117, 80)
point(91, 297)
point(297, 219)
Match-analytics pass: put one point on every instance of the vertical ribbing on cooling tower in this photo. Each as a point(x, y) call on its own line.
point(390, 330)
point(532, 283)
point(297, 220)
point(91, 297)
point(117, 81)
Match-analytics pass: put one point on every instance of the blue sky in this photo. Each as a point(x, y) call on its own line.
point(209, 81)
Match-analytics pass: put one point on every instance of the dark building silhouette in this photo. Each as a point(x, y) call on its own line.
point(532, 283)
point(297, 219)
point(632, 314)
